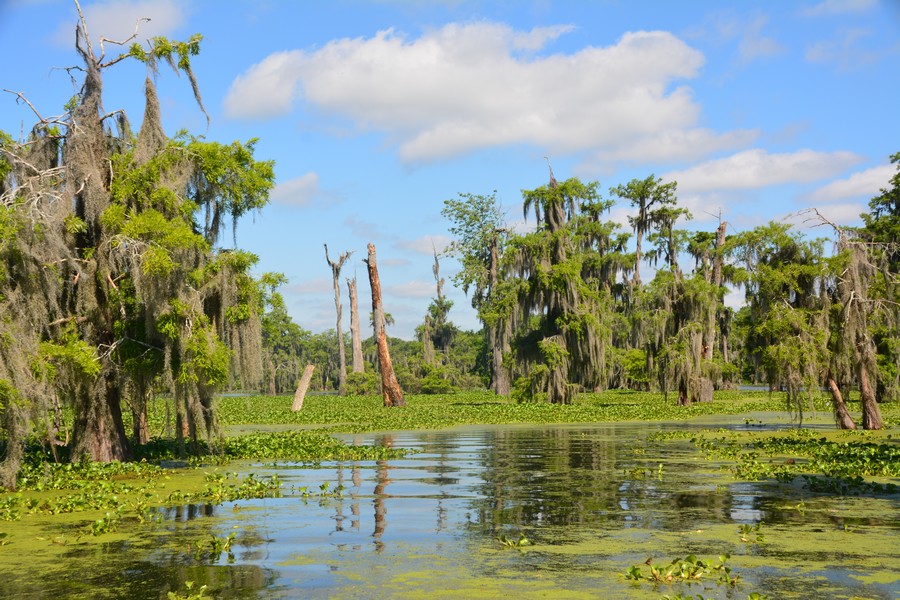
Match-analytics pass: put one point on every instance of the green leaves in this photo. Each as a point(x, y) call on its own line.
point(70, 352)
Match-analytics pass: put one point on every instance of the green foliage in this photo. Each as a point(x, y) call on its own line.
point(206, 358)
point(74, 225)
point(71, 353)
point(882, 223)
point(190, 594)
point(824, 464)
point(518, 544)
point(634, 365)
point(476, 224)
point(362, 384)
point(436, 382)
point(686, 570)
point(9, 395)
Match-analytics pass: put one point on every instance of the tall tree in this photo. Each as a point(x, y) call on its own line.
point(282, 339)
point(882, 234)
point(335, 276)
point(785, 286)
point(480, 239)
point(644, 194)
point(355, 333)
point(390, 388)
point(138, 292)
point(561, 340)
point(854, 353)
point(436, 332)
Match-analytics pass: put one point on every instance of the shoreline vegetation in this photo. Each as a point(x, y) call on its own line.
point(63, 506)
point(263, 428)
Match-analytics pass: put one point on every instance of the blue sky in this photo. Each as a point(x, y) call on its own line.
point(376, 112)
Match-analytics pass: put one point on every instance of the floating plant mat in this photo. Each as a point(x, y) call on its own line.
point(622, 510)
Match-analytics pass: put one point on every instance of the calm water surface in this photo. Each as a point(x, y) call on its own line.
point(593, 499)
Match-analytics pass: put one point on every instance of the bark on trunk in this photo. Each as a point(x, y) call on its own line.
point(99, 432)
point(725, 348)
point(717, 279)
point(683, 398)
point(273, 389)
point(871, 414)
point(704, 392)
point(355, 334)
point(390, 387)
point(500, 384)
point(140, 427)
point(636, 277)
point(841, 414)
point(718, 259)
point(497, 332)
point(300, 394)
point(342, 355)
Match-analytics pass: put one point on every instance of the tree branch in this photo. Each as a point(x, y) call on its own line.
point(22, 98)
point(137, 26)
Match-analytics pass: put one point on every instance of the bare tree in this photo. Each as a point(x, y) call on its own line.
point(355, 334)
point(390, 387)
point(335, 274)
point(302, 387)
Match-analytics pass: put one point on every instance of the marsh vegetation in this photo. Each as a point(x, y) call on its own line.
point(613, 452)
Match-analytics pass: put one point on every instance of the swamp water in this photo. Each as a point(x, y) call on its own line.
point(446, 522)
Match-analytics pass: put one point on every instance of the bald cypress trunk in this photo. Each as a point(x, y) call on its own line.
point(498, 332)
point(841, 414)
point(355, 334)
point(871, 414)
point(390, 387)
point(342, 355)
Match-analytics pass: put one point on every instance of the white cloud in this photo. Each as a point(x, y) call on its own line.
point(754, 44)
point(842, 214)
point(855, 48)
point(683, 145)
point(757, 168)
point(116, 20)
point(298, 191)
point(427, 244)
point(361, 228)
point(413, 289)
point(469, 86)
point(619, 214)
point(864, 184)
point(319, 285)
point(840, 7)
point(267, 90)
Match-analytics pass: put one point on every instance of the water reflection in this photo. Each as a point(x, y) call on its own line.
point(594, 499)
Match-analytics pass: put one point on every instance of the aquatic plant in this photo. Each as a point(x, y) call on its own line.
point(749, 534)
point(684, 570)
point(213, 547)
point(189, 585)
point(507, 542)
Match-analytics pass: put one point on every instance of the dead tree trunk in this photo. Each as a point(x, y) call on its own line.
point(355, 334)
point(300, 394)
point(390, 387)
point(342, 357)
point(841, 414)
